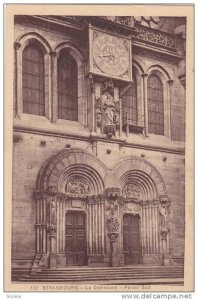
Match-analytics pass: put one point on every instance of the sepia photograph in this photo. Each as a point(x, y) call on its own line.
point(99, 137)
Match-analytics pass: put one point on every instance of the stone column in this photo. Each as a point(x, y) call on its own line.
point(145, 103)
point(91, 85)
point(44, 225)
point(156, 226)
point(90, 228)
point(18, 81)
point(41, 231)
point(102, 226)
point(120, 117)
point(53, 105)
point(38, 222)
point(170, 96)
point(144, 227)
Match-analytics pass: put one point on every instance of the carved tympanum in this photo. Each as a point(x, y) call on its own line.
point(77, 186)
point(131, 191)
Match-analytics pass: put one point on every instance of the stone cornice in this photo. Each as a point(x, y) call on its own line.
point(88, 138)
point(142, 36)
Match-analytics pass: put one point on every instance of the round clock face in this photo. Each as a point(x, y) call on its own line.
point(110, 55)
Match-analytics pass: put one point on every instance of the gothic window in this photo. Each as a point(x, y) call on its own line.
point(33, 81)
point(67, 87)
point(155, 105)
point(130, 104)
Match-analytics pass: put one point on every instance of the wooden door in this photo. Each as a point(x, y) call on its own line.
point(75, 238)
point(131, 239)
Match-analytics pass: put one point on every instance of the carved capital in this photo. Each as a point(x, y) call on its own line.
point(38, 194)
point(165, 200)
point(144, 75)
point(51, 230)
point(53, 54)
point(170, 82)
point(17, 45)
point(52, 191)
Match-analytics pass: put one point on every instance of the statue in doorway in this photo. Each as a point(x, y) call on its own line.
point(52, 211)
point(164, 216)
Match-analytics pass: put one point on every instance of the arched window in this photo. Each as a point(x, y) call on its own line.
point(33, 81)
point(155, 105)
point(67, 87)
point(129, 104)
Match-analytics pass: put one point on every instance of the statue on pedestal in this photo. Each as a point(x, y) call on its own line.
point(108, 110)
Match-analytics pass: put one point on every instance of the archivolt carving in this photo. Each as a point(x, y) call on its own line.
point(71, 163)
point(143, 175)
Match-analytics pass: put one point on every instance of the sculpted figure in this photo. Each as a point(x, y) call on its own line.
point(53, 211)
point(164, 216)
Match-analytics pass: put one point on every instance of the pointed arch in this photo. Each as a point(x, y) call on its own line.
point(72, 49)
point(159, 111)
point(36, 41)
point(157, 69)
point(25, 38)
point(138, 66)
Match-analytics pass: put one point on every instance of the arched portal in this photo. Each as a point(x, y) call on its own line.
point(88, 214)
point(70, 207)
point(144, 233)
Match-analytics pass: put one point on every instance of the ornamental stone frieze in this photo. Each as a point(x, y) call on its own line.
point(122, 20)
point(159, 38)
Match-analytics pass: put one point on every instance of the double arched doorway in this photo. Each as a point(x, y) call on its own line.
point(90, 215)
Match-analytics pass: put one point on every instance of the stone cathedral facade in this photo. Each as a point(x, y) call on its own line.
point(98, 141)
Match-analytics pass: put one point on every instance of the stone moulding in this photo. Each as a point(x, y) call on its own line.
point(89, 138)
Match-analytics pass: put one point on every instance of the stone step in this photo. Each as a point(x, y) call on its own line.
point(176, 281)
point(103, 274)
point(143, 267)
point(111, 271)
point(112, 274)
point(91, 278)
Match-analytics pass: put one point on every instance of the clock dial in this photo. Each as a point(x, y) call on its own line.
point(110, 54)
